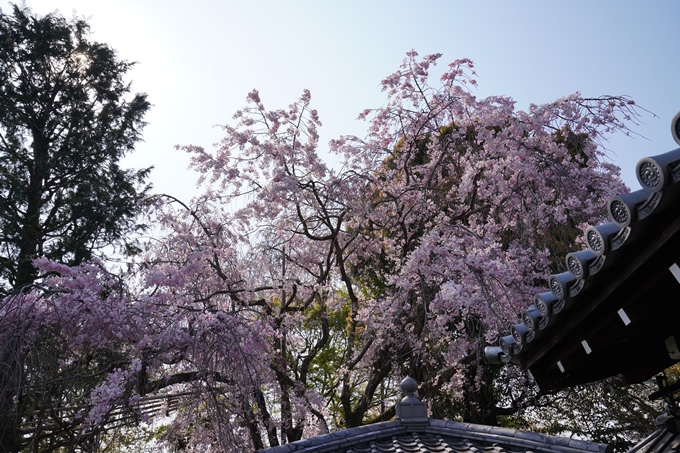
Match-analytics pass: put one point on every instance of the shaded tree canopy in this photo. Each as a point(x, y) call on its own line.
point(607, 411)
point(67, 117)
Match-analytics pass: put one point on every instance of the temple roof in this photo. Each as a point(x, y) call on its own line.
point(437, 436)
point(615, 310)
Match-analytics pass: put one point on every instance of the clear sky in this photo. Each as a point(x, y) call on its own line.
point(199, 59)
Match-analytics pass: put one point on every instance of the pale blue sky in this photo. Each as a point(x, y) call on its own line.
point(199, 59)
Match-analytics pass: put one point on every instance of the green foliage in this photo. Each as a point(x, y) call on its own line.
point(607, 411)
point(66, 120)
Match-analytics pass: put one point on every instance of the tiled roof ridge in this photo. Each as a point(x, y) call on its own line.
point(347, 437)
point(631, 215)
point(384, 431)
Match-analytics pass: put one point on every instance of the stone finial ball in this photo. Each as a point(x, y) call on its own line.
point(409, 386)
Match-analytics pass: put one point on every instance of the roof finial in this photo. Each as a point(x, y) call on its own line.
point(409, 387)
point(412, 411)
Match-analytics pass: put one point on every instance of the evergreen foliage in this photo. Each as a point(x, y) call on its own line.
point(66, 120)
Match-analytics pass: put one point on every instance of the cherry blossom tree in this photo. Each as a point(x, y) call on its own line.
point(428, 241)
point(290, 297)
point(475, 198)
point(92, 355)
